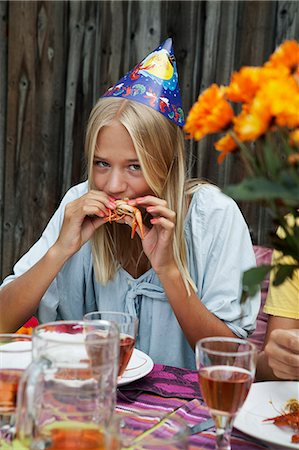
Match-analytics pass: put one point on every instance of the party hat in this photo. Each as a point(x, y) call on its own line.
point(154, 82)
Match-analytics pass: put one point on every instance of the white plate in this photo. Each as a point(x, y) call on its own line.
point(15, 355)
point(266, 400)
point(139, 365)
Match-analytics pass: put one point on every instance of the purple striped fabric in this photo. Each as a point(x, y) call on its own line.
point(167, 389)
point(167, 381)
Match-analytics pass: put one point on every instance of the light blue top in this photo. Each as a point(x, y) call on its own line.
point(219, 250)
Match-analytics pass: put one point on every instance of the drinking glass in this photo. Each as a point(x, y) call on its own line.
point(15, 357)
point(226, 369)
point(67, 395)
point(127, 325)
point(151, 430)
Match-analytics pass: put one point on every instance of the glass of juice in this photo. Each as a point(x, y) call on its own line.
point(15, 357)
point(226, 370)
point(127, 325)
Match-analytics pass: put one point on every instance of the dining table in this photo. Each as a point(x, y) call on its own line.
point(176, 390)
point(168, 391)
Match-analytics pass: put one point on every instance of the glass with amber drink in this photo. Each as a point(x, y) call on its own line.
point(67, 395)
point(127, 325)
point(15, 357)
point(226, 370)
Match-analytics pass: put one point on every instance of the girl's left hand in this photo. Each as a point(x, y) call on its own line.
point(158, 240)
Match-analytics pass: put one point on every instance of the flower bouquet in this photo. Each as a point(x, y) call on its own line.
point(258, 112)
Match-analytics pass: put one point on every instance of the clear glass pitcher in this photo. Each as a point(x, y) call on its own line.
point(67, 395)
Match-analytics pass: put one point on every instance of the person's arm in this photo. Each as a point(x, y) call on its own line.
point(20, 297)
point(194, 318)
point(279, 358)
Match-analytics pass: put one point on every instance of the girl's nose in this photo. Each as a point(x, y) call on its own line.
point(116, 183)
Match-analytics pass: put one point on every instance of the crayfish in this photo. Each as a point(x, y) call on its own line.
point(123, 209)
point(290, 419)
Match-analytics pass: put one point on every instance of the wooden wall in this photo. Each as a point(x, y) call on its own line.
point(57, 58)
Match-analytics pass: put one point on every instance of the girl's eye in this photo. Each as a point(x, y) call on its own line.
point(135, 167)
point(101, 163)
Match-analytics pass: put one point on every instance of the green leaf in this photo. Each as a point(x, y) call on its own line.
point(283, 271)
point(257, 189)
point(272, 161)
point(252, 279)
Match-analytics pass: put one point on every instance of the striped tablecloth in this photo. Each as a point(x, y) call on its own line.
point(167, 389)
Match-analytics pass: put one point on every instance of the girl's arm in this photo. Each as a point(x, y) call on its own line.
point(20, 298)
point(194, 318)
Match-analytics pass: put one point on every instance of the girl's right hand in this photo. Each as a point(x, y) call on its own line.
point(81, 218)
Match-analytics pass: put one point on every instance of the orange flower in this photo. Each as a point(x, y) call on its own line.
point(294, 138)
point(251, 123)
point(276, 103)
point(287, 54)
point(244, 84)
point(210, 114)
point(225, 145)
point(282, 96)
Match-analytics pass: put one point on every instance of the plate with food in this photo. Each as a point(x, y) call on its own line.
point(271, 413)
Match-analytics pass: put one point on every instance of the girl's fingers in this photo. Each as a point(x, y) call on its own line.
point(85, 210)
point(148, 200)
point(162, 211)
point(163, 223)
point(155, 206)
point(101, 198)
point(92, 203)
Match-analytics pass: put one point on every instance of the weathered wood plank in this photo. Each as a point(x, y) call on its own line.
point(287, 21)
point(20, 132)
point(46, 162)
point(34, 107)
point(74, 64)
point(3, 100)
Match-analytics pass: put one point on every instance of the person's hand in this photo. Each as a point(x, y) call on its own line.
point(81, 218)
point(158, 240)
point(282, 350)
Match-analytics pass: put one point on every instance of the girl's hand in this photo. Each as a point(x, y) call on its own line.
point(158, 241)
point(81, 218)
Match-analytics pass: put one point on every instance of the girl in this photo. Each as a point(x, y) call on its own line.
point(183, 279)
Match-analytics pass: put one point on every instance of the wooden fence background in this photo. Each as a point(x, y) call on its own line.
point(57, 58)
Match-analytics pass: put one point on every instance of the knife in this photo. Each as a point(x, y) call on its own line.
point(202, 426)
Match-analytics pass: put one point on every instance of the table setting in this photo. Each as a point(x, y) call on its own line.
point(71, 396)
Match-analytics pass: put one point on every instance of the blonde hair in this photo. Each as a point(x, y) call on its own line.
point(159, 145)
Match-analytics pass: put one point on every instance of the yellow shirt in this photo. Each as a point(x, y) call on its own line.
point(283, 300)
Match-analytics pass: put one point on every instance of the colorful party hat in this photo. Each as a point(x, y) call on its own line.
point(154, 82)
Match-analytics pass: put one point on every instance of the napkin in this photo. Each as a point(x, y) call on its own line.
point(166, 381)
point(27, 327)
